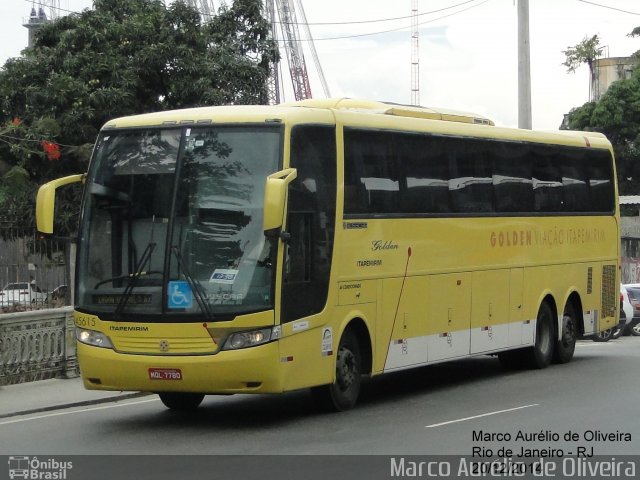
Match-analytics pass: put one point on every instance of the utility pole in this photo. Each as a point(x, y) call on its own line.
point(524, 66)
point(415, 55)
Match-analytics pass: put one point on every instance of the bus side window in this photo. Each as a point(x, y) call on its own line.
point(575, 187)
point(370, 169)
point(425, 173)
point(600, 181)
point(547, 182)
point(512, 184)
point(471, 182)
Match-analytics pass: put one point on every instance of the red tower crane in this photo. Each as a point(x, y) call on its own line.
point(282, 14)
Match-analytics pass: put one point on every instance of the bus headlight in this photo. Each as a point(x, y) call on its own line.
point(251, 338)
point(93, 338)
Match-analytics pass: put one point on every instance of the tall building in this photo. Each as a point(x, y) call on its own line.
point(42, 11)
point(607, 71)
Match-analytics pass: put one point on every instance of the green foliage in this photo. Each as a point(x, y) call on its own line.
point(617, 115)
point(584, 52)
point(124, 57)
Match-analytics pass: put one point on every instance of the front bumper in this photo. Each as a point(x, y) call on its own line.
point(250, 370)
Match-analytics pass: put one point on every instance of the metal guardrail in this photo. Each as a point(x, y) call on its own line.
point(37, 345)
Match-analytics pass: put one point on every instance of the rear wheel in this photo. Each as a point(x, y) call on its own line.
point(566, 345)
point(343, 393)
point(181, 401)
point(540, 355)
point(635, 330)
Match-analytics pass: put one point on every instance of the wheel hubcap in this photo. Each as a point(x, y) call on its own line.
point(568, 331)
point(346, 369)
point(545, 339)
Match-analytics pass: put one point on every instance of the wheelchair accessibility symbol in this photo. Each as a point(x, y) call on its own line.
point(179, 295)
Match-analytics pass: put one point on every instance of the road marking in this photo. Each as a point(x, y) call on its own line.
point(71, 412)
point(480, 416)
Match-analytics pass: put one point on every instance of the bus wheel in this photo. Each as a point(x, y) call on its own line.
point(565, 347)
point(540, 355)
point(343, 393)
point(181, 401)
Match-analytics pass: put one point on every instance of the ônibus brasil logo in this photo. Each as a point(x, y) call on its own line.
point(36, 469)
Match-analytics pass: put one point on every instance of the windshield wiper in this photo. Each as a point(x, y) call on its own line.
point(196, 287)
point(146, 256)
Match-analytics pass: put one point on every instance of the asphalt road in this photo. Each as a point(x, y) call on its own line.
point(456, 408)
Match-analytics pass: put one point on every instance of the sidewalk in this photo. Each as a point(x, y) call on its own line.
point(54, 394)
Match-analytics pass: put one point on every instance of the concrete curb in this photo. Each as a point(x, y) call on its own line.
point(83, 403)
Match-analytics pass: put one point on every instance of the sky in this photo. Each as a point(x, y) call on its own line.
point(468, 56)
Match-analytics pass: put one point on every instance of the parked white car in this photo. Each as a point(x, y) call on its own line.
point(626, 315)
point(633, 326)
point(626, 303)
point(22, 293)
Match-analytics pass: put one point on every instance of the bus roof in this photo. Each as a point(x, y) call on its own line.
point(202, 114)
point(396, 109)
point(327, 110)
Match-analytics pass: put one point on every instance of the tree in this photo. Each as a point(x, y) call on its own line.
point(617, 115)
point(584, 52)
point(122, 57)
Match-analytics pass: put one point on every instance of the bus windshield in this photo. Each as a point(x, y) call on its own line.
point(172, 223)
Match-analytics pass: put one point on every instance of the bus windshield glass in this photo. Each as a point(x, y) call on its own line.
point(172, 223)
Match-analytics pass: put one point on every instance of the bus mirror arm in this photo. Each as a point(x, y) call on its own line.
point(45, 201)
point(275, 200)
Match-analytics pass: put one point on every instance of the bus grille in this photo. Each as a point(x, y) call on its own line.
point(609, 289)
point(165, 346)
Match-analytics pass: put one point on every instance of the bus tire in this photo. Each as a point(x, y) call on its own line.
point(181, 401)
point(566, 345)
point(540, 355)
point(343, 393)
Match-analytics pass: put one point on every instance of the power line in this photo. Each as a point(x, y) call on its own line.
point(344, 37)
point(59, 9)
point(399, 28)
point(390, 19)
point(609, 7)
point(351, 22)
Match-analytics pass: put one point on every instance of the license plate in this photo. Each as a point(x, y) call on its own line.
point(165, 374)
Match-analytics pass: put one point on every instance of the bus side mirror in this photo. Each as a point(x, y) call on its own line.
point(46, 201)
point(275, 197)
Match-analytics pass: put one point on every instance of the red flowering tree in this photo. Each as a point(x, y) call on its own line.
point(51, 150)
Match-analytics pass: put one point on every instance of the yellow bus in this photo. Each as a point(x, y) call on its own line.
point(265, 249)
